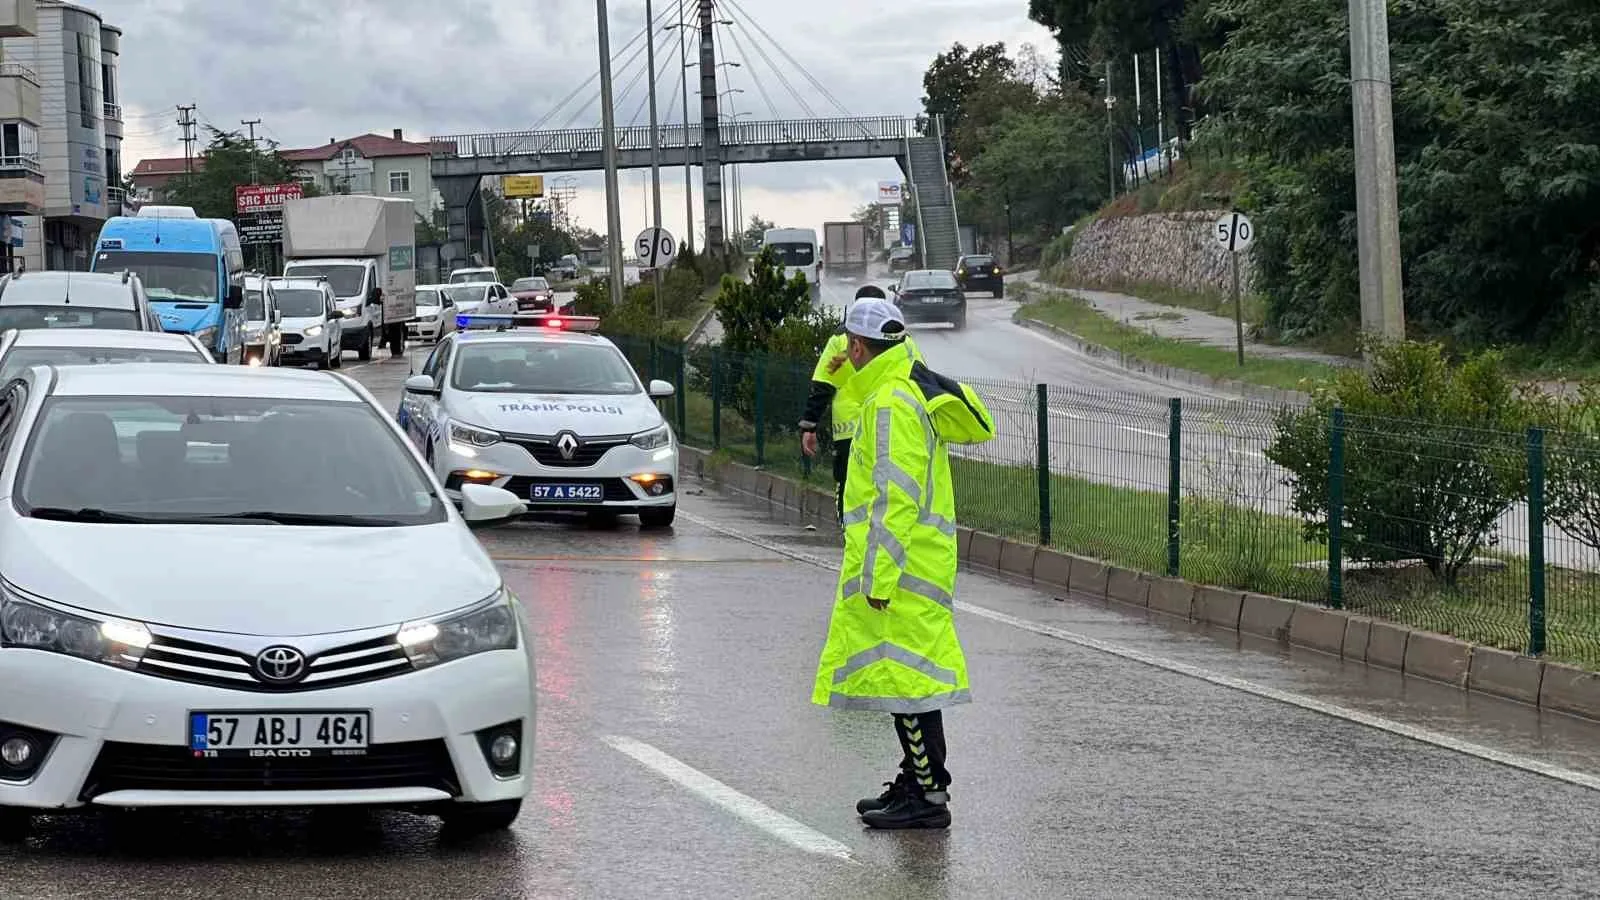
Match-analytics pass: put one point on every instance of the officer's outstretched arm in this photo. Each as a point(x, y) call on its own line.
point(901, 444)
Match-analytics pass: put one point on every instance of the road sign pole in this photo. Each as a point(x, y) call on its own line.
point(1238, 314)
point(1234, 233)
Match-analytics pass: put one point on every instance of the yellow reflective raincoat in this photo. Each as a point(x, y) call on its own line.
point(844, 405)
point(900, 543)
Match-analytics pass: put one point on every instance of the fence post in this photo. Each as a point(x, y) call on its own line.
point(1336, 509)
point(681, 395)
point(1043, 391)
point(654, 363)
point(716, 397)
point(1174, 481)
point(1536, 542)
point(761, 410)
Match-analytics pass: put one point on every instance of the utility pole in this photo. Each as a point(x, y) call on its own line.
point(255, 178)
point(711, 132)
point(186, 121)
point(1111, 142)
point(683, 72)
point(1377, 202)
point(608, 143)
point(655, 137)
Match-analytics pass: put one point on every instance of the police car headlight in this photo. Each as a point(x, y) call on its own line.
point(491, 625)
point(655, 437)
point(34, 626)
point(476, 437)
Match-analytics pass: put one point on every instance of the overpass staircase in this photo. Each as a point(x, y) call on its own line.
point(938, 227)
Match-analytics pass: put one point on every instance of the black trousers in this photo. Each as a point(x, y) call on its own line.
point(922, 742)
point(841, 465)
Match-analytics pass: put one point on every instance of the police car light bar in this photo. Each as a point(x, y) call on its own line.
point(551, 321)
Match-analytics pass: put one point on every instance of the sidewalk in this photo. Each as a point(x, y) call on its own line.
point(1177, 323)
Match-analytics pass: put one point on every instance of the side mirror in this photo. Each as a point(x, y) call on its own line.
point(376, 296)
point(661, 389)
point(421, 384)
point(482, 504)
point(235, 298)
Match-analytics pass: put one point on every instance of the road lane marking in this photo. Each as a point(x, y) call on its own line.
point(1128, 428)
point(715, 792)
point(1333, 710)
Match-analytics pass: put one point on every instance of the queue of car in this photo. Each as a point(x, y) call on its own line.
point(286, 689)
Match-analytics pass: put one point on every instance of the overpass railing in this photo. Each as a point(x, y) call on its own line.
point(637, 137)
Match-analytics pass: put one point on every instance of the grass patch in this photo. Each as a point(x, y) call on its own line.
point(1227, 540)
point(1083, 320)
point(1255, 307)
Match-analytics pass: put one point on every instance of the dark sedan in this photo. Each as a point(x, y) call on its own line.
point(902, 259)
point(534, 295)
point(979, 272)
point(931, 295)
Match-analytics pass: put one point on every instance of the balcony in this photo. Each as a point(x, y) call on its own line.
point(12, 166)
point(19, 18)
point(17, 70)
point(116, 196)
point(112, 112)
point(19, 94)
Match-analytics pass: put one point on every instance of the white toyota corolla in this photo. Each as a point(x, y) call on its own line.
point(555, 415)
point(140, 666)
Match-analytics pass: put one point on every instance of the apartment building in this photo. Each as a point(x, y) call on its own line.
point(22, 192)
point(75, 143)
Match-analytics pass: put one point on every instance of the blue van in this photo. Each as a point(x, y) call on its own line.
point(193, 273)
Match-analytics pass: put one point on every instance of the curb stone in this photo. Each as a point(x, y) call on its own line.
point(1354, 637)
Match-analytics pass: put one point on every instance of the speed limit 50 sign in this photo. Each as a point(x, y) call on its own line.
point(654, 247)
point(1234, 232)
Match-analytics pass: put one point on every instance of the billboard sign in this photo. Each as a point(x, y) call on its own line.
point(889, 193)
point(522, 187)
point(259, 198)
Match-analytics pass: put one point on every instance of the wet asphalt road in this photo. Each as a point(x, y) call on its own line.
point(1079, 771)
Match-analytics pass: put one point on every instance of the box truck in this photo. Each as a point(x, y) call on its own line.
point(844, 249)
point(365, 247)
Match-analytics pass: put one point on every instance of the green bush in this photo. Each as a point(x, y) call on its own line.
point(1572, 464)
point(1433, 456)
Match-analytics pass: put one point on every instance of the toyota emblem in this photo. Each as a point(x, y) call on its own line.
point(280, 665)
point(567, 443)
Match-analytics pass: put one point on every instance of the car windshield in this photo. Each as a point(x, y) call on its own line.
point(167, 276)
point(345, 280)
point(980, 261)
point(21, 358)
point(900, 252)
point(530, 284)
point(468, 275)
point(299, 303)
point(25, 317)
point(255, 306)
point(794, 254)
point(228, 460)
point(427, 298)
point(468, 293)
point(928, 281)
point(542, 367)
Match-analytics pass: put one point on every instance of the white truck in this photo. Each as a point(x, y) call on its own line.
point(366, 248)
point(844, 249)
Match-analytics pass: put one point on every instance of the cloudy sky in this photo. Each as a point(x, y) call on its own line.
point(313, 70)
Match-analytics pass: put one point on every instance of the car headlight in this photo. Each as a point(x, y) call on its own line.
point(207, 335)
point(254, 331)
point(350, 313)
point(477, 437)
point(313, 331)
point(491, 625)
point(33, 626)
point(656, 437)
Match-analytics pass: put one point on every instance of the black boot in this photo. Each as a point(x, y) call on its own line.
point(912, 809)
point(905, 783)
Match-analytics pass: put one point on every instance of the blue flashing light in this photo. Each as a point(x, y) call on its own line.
point(473, 320)
point(544, 321)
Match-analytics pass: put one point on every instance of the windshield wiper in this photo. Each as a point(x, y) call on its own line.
point(291, 518)
point(86, 514)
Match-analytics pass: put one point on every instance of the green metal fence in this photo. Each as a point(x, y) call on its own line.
point(1189, 487)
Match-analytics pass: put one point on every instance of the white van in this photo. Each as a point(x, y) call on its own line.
point(798, 250)
point(475, 275)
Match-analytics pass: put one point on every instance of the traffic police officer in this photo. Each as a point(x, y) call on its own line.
point(892, 644)
point(827, 393)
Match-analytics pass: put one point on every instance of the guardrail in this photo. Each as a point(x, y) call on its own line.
point(637, 137)
point(28, 164)
point(116, 196)
point(112, 111)
point(16, 70)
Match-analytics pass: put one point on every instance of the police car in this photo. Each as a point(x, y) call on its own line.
point(542, 407)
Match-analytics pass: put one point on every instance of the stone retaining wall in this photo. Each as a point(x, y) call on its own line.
point(1175, 250)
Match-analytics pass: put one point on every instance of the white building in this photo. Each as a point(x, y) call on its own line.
point(371, 164)
point(74, 58)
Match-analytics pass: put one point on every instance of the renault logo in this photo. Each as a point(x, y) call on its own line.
point(567, 443)
point(280, 665)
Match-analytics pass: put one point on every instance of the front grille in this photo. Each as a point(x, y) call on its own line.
point(614, 488)
point(293, 338)
point(588, 452)
point(197, 663)
point(162, 767)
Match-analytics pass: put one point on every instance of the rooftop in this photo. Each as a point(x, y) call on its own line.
point(370, 146)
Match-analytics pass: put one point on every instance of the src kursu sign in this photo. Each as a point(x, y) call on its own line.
point(256, 198)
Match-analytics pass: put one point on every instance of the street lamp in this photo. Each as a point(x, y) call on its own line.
point(738, 183)
point(608, 143)
point(688, 183)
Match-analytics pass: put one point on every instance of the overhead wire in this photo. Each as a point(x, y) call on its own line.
point(748, 64)
point(784, 80)
point(666, 66)
point(826, 94)
point(644, 69)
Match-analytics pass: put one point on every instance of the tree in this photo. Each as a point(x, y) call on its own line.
point(230, 161)
point(870, 215)
point(957, 74)
point(756, 232)
point(1047, 164)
